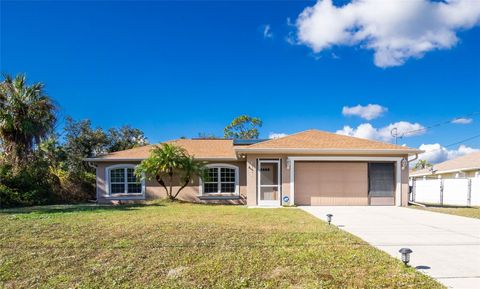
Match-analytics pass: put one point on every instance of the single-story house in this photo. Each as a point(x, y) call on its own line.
point(467, 166)
point(308, 168)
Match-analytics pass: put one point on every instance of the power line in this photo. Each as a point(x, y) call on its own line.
point(441, 123)
point(455, 143)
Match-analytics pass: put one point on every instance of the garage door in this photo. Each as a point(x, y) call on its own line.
point(331, 183)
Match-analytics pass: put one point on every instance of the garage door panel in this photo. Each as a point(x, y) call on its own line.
point(324, 183)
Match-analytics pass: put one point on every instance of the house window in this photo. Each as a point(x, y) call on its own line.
point(122, 180)
point(221, 179)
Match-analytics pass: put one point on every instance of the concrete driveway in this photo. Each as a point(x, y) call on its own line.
point(446, 247)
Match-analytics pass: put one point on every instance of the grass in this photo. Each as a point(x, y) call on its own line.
point(471, 212)
point(174, 245)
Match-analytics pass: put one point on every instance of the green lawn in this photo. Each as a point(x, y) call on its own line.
point(173, 245)
point(472, 212)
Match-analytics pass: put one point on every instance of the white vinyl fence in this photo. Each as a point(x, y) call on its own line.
point(454, 192)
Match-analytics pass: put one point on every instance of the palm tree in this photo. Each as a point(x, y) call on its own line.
point(27, 115)
point(189, 169)
point(169, 163)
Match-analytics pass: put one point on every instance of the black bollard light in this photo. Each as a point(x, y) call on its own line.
point(405, 255)
point(329, 218)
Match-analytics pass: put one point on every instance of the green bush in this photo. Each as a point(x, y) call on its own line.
point(27, 187)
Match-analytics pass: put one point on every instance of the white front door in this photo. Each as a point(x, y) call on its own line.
point(268, 176)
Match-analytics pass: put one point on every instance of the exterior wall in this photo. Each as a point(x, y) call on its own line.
point(453, 175)
point(285, 176)
point(405, 187)
point(247, 183)
point(153, 190)
point(252, 177)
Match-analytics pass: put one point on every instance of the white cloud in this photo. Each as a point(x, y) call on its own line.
point(366, 130)
point(273, 135)
point(462, 120)
point(367, 112)
point(395, 30)
point(435, 153)
point(267, 32)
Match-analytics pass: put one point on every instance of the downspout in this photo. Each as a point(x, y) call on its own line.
point(414, 159)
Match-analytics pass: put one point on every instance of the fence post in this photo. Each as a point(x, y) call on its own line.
point(414, 189)
point(469, 194)
point(441, 190)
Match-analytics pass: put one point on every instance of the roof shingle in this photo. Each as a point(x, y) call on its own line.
point(316, 139)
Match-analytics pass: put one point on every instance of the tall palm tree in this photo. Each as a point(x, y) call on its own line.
point(27, 115)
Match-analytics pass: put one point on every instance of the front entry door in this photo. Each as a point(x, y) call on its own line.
point(268, 183)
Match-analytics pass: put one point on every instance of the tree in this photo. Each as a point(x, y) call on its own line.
point(125, 138)
point(82, 141)
point(27, 116)
point(169, 163)
point(422, 164)
point(243, 127)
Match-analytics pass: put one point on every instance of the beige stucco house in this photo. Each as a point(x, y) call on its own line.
point(307, 168)
point(467, 166)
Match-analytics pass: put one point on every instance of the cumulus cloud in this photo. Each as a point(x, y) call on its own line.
point(267, 32)
point(274, 135)
point(436, 153)
point(367, 112)
point(462, 120)
point(395, 30)
point(366, 130)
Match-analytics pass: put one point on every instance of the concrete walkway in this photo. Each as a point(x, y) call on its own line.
point(446, 247)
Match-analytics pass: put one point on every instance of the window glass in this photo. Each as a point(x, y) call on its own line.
point(117, 176)
point(131, 176)
point(220, 180)
point(123, 180)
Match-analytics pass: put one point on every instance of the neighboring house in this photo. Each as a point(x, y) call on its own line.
point(455, 182)
point(307, 168)
point(467, 166)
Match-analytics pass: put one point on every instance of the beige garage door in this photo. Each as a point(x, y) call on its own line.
point(331, 183)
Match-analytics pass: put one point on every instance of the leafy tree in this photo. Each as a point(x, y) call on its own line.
point(27, 116)
point(82, 141)
point(169, 164)
point(422, 164)
point(243, 127)
point(125, 138)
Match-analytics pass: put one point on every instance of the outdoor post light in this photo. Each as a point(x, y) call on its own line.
point(329, 218)
point(405, 255)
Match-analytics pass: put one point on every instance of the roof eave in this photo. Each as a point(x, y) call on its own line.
point(328, 151)
point(94, 160)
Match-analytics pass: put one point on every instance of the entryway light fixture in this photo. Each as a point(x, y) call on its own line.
point(405, 255)
point(329, 218)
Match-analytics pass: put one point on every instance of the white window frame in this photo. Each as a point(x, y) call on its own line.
point(218, 167)
point(125, 194)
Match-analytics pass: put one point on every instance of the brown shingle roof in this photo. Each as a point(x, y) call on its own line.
point(316, 139)
point(466, 162)
point(200, 148)
point(306, 140)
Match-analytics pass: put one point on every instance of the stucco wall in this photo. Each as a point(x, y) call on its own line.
point(285, 188)
point(247, 182)
point(154, 190)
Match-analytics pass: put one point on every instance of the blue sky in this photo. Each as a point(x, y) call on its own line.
point(179, 68)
